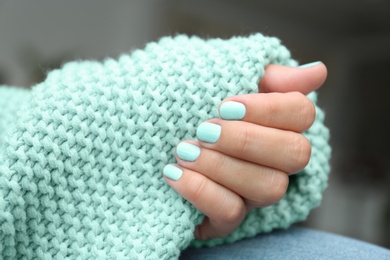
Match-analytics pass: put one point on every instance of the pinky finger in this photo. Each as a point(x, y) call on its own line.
point(225, 210)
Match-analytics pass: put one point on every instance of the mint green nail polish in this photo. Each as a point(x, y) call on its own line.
point(208, 132)
point(172, 172)
point(232, 110)
point(309, 64)
point(187, 151)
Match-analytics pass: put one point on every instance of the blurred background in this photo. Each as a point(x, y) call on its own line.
point(351, 37)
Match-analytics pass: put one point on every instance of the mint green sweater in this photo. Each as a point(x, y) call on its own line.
point(81, 153)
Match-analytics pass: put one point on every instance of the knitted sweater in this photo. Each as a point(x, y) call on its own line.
point(81, 153)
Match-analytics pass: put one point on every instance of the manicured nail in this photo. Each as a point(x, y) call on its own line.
point(172, 172)
point(187, 151)
point(232, 110)
point(208, 132)
point(312, 64)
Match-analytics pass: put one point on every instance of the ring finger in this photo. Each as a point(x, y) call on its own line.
point(259, 185)
point(224, 208)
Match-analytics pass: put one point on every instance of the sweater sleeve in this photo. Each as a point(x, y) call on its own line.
point(80, 164)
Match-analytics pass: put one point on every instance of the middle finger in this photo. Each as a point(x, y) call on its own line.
point(279, 149)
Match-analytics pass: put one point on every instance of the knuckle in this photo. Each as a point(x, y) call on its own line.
point(297, 95)
point(199, 189)
point(301, 152)
point(244, 141)
point(234, 213)
point(279, 186)
point(272, 108)
point(219, 166)
point(308, 112)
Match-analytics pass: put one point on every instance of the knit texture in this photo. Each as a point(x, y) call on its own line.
point(10, 102)
point(81, 154)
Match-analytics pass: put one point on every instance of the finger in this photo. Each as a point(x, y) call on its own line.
point(261, 186)
point(286, 151)
point(279, 78)
point(289, 111)
point(224, 208)
point(209, 229)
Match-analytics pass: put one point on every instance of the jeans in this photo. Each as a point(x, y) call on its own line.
point(293, 243)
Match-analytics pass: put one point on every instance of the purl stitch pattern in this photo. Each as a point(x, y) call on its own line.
point(81, 161)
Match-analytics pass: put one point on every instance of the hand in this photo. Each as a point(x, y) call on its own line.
point(243, 164)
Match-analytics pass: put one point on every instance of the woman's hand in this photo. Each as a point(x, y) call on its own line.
point(243, 160)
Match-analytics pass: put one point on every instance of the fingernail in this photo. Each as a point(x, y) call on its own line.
point(232, 110)
point(312, 64)
point(208, 132)
point(172, 172)
point(187, 151)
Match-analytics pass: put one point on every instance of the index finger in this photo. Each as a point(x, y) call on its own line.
point(288, 111)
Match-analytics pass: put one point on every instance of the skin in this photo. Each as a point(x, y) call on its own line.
point(248, 166)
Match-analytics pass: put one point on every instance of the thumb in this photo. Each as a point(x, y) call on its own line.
point(304, 79)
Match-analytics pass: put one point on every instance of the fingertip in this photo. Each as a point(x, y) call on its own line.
point(317, 65)
point(305, 79)
point(323, 72)
point(232, 110)
point(318, 72)
point(172, 172)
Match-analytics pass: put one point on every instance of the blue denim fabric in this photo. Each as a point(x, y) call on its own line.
point(293, 243)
